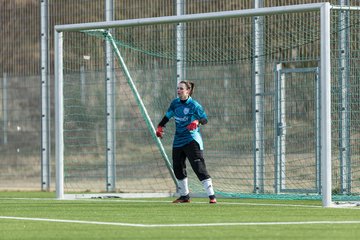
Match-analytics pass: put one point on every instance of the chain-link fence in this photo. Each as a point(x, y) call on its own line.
point(24, 135)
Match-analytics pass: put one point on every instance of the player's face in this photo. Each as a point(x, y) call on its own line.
point(182, 91)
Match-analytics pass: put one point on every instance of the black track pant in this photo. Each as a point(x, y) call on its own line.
point(195, 155)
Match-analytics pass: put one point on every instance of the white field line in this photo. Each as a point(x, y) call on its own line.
point(178, 225)
point(159, 201)
point(349, 205)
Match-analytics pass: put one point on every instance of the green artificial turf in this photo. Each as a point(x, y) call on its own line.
point(160, 219)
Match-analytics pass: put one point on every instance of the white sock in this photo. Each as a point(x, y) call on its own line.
point(207, 184)
point(183, 187)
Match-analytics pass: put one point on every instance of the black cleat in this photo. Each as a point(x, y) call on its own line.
point(182, 199)
point(212, 199)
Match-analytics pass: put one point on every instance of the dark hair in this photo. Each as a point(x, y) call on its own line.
point(189, 85)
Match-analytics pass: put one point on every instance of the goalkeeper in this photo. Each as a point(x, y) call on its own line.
point(188, 115)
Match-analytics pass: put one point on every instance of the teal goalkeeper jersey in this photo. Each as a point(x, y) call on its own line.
point(184, 113)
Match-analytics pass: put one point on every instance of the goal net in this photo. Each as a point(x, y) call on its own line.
point(263, 77)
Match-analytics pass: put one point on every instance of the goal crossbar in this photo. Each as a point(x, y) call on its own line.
point(192, 17)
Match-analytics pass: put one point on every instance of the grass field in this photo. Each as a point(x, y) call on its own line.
point(34, 215)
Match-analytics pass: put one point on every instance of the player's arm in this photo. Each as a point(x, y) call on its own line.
point(160, 129)
point(168, 115)
point(202, 115)
point(201, 118)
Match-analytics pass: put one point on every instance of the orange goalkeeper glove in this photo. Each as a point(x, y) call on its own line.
point(193, 125)
point(160, 132)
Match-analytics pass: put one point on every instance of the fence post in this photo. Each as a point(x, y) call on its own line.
point(4, 107)
point(110, 107)
point(45, 99)
point(258, 95)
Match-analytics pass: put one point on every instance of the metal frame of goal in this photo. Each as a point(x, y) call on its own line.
point(324, 76)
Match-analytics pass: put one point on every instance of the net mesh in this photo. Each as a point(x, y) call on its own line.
point(219, 57)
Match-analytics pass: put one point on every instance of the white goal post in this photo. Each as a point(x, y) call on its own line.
point(325, 78)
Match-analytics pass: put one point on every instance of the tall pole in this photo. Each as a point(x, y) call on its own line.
point(110, 106)
point(4, 108)
point(45, 98)
point(59, 115)
point(180, 42)
point(258, 95)
point(325, 103)
point(344, 148)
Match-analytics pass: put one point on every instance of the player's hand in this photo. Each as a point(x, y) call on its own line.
point(193, 125)
point(160, 132)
